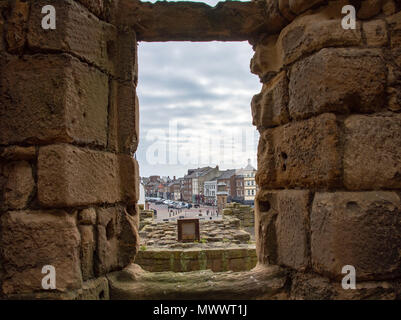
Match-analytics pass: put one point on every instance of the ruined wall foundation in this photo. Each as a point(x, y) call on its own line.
point(329, 158)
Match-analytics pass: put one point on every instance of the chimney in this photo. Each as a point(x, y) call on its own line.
point(249, 162)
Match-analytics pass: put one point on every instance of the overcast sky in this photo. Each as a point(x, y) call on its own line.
point(195, 106)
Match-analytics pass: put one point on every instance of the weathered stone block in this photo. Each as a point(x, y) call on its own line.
point(270, 107)
point(312, 32)
point(88, 247)
point(300, 154)
point(87, 216)
point(394, 24)
point(18, 185)
point(292, 228)
point(117, 240)
point(369, 9)
point(123, 134)
point(339, 80)
point(266, 209)
point(16, 26)
point(33, 239)
point(127, 51)
point(183, 21)
point(77, 32)
point(372, 152)
point(284, 7)
point(283, 228)
point(97, 7)
point(46, 98)
point(267, 60)
point(96, 289)
point(299, 6)
point(18, 153)
point(362, 229)
point(69, 176)
point(307, 286)
point(376, 33)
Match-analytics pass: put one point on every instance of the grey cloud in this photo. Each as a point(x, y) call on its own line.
point(180, 80)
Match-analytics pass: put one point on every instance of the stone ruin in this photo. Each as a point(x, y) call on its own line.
point(215, 233)
point(223, 246)
point(329, 157)
point(244, 213)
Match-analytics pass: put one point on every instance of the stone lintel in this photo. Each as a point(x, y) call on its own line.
point(194, 21)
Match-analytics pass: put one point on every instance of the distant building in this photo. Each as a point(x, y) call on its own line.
point(250, 187)
point(186, 188)
point(210, 191)
point(227, 177)
point(174, 190)
point(194, 183)
point(239, 187)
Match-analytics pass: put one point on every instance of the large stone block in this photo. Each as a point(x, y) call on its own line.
point(312, 32)
point(267, 60)
point(372, 152)
point(266, 211)
point(69, 176)
point(340, 81)
point(270, 107)
point(33, 239)
point(18, 185)
point(301, 154)
point(362, 229)
point(283, 228)
point(394, 24)
point(47, 98)
point(117, 240)
point(88, 247)
point(192, 21)
point(292, 229)
point(77, 32)
point(123, 135)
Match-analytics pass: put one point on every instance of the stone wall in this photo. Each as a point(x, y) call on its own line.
point(213, 233)
point(329, 153)
point(329, 156)
point(68, 131)
point(244, 213)
point(186, 260)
